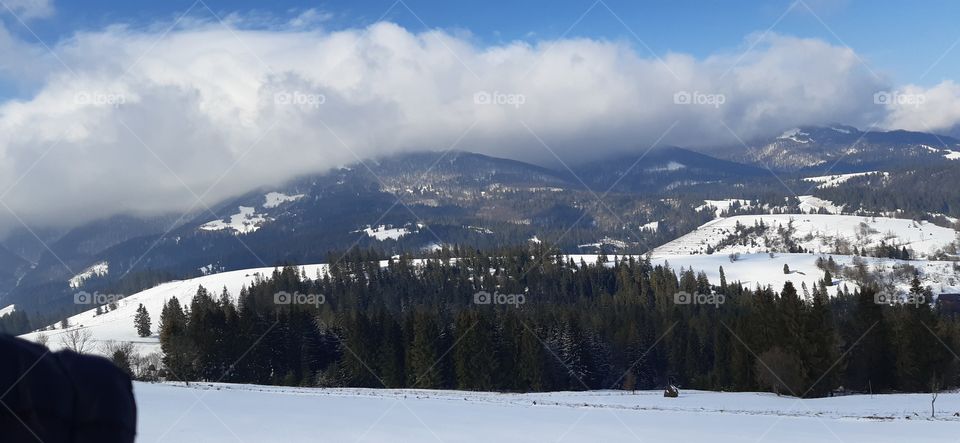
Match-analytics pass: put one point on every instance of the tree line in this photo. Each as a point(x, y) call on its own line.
point(521, 320)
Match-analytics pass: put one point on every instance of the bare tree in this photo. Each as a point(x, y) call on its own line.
point(43, 339)
point(77, 340)
point(111, 347)
point(934, 392)
point(122, 354)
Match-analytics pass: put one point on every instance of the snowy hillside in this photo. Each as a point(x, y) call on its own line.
point(243, 222)
point(7, 310)
point(97, 270)
point(754, 270)
point(814, 233)
point(222, 412)
point(117, 325)
point(750, 269)
point(829, 181)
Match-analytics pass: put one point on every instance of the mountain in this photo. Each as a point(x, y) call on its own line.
point(419, 202)
point(12, 267)
point(839, 148)
point(405, 203)
point(665, 169)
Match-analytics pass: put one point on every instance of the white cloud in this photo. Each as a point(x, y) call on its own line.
point(200, 96)
point(932, 109)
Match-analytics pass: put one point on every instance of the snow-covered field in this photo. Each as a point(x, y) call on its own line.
point(243, 222)
point(382, 232)
point(229, 413)
point(721, 206)
point(761, 270)
point(274, 199)
point(809, 203)
point(829, 181)
point(817, 233)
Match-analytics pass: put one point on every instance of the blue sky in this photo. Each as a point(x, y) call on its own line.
point(902, 40)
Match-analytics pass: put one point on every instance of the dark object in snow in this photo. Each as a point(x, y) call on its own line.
point(671, 392)
point(63, 396)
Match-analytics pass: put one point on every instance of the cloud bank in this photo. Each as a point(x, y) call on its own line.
point(146, 121)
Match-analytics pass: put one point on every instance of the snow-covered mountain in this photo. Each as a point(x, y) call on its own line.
point(840, 148)
point(425, 201)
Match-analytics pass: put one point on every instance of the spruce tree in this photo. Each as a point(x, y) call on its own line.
point(142, 321)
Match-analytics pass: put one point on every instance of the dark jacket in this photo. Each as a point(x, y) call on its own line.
point(55, 397)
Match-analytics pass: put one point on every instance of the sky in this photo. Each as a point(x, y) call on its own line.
point(148, 107)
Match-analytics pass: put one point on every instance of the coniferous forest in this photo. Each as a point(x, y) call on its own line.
point(565, 326)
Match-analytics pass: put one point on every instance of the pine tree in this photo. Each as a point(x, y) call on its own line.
point(142, 321)
point(422, 359)
point(821, 352)
point(178, 351)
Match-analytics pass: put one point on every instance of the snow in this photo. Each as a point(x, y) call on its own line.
point(829, 181)
point(793, 135)
point(222, 413)
point(760, 269)
point(816, 233)
point(949, 154)
point(382, 232)
point(102, 268)
point(117, 325)
point(810, 203)
point(243, 222)
point(653, 226)
point(479, 230)
point(7, 310)
point(723, 205)
point(536, 240)
point(670, 166)
point(840, 130)
point(274, 199)
point(949, 218)
point(605, 241)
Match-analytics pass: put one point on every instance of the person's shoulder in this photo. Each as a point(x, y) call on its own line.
point(11, 345)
